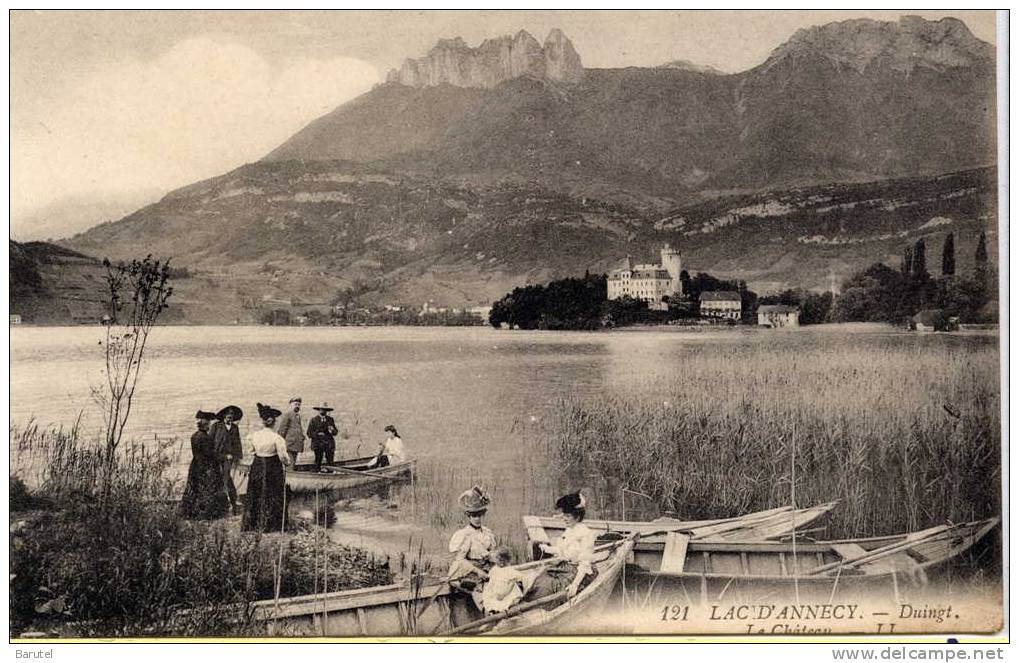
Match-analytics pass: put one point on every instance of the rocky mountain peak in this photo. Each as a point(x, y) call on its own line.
point(902, 45)
point(453, 62)
point(562, 61)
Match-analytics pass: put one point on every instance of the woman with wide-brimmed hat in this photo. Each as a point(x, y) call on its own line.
point(205, 495)
point(266, 508)
point(472, 545)
point(571, 569)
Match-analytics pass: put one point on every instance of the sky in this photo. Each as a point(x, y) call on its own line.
point(124, 105)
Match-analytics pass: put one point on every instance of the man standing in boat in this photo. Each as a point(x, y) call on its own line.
point(322, 432)
point(291, 429)
point(226, 438)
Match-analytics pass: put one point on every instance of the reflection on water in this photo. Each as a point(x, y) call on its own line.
point(469, 402)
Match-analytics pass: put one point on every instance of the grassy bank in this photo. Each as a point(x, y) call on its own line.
point(904, 435)
point(98, 548)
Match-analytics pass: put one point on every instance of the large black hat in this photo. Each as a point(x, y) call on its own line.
point(236, 411)
point(571, 502)
point(267, 411)
point(202, 414)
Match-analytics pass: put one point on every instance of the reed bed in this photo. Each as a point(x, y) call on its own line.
point(905, 436)
point(99, 548)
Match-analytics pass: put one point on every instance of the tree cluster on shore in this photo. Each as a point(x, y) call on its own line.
point(883, 294)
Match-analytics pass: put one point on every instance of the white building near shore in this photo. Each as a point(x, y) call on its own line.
point(649, 282)
point(778, 315)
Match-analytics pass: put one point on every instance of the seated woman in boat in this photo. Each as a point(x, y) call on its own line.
point(571, 568)
point(505, 586)
point(205, 495)
point(391, 451)
point(472, 545)
point(266, 509)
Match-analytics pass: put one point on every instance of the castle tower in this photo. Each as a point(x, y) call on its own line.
point(672, 261)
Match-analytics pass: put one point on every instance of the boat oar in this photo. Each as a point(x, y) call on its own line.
point(524, 607)
point(884, 551)
point(438, 590)
point(512, 612)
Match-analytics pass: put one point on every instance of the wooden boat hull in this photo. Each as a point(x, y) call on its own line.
point(432, 608)
point(757, 526)
point(577, 614)
point(347, 478)
point(712, 569)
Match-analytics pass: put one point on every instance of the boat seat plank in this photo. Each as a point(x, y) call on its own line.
point(899, 563)
point(674, 555)
point(849, 550)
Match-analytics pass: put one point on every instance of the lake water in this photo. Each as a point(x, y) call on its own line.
point(470, 403)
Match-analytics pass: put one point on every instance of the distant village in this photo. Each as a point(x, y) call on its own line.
point(276, 311)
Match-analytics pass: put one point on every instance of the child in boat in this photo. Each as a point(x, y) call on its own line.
point(473, 544)
point(571, 569)
point(505, 586)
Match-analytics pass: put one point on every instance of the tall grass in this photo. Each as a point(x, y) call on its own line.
point(904, 437)
point(97, 561)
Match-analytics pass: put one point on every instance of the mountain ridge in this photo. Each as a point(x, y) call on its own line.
point(460, 191)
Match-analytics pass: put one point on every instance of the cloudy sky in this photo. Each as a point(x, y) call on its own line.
point(121, 106)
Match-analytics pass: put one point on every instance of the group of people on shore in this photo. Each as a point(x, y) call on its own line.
point(216, 449)
point(483, 568)
point(480, 566)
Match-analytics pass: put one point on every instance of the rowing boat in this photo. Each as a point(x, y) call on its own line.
point(712, 568)
point(435, 609)
point(346, 477)
point(756, 526)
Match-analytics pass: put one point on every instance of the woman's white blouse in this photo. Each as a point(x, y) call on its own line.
point(267, 443)
point(394, 450)
point(577, 546)
point(472, 543)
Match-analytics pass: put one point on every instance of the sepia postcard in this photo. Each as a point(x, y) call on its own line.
point(426, 325)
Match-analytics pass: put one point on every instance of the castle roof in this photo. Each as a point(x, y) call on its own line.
point(777, 308)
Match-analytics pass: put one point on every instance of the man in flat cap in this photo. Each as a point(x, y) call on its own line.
point(291, 429)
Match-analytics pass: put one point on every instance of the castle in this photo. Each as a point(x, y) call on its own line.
point(648, 282)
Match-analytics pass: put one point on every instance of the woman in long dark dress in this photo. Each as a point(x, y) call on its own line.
point(266, 508)
point(204, 496)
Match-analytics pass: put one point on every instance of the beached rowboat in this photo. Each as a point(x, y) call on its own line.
point(433, 608)
point(711, 568)
point(352, 476)
point(756, 526)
